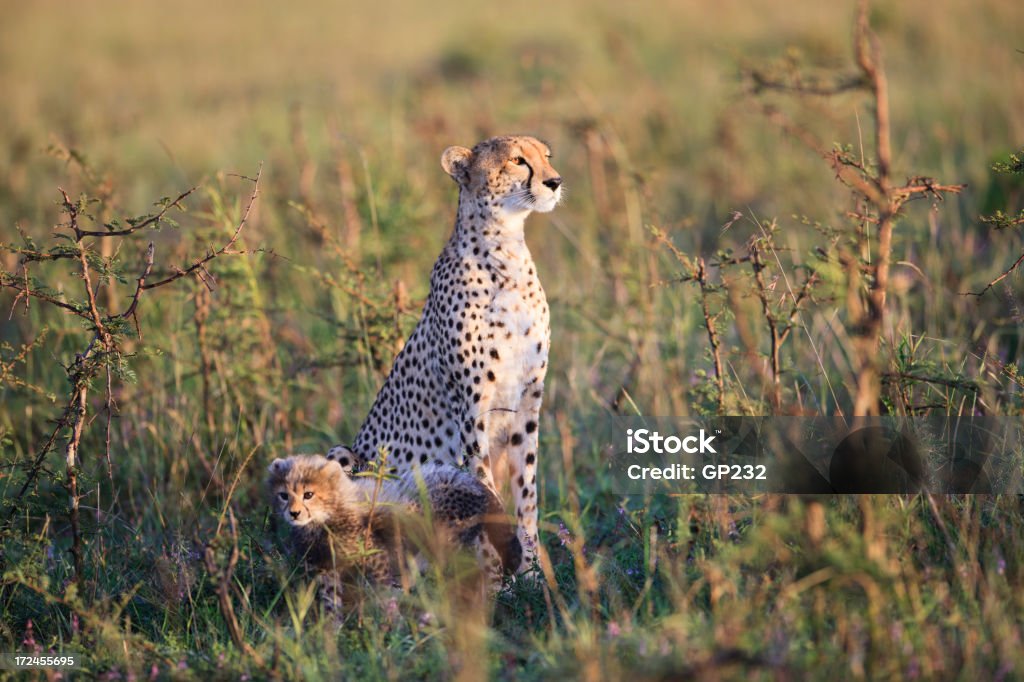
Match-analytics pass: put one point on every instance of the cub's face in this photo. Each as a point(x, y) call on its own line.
point(515, 171)
point(304, 488)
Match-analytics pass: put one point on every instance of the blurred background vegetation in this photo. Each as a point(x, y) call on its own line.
point(649, 109)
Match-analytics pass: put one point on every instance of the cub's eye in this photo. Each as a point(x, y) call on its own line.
point(308, 495)
point(520, 161)
point(283, 496)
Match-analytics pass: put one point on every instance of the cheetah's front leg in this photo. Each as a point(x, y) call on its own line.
point(522, 468)
point(499, 548)
point(329, 591)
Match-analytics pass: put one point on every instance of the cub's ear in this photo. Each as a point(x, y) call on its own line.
point(332, 469)
point(456, 161)
point(278, 470)
point(342, 455)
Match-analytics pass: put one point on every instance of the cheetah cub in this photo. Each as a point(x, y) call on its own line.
point(470, 380)
point(347, 529)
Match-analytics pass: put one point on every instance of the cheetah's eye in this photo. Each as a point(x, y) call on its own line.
point(283, 496)
point(520, 161)
point(308, 495)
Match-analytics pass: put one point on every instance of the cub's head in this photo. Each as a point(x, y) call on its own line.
point(306, 488)
point(514, 171)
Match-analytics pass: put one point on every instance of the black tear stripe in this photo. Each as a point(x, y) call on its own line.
point(529, 178)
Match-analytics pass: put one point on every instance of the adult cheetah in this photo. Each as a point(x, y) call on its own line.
point(470, 379)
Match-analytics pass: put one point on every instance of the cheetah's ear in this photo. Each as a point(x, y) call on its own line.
point(278, 468)
point(456, 161)
point(343, 455)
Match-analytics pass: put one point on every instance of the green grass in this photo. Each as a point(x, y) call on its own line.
point(348, 108)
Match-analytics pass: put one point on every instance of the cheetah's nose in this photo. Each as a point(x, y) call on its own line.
point(295, 514)
point(553, 183)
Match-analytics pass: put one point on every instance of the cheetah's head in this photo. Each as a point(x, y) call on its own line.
point(305, 488)
point(513, 172)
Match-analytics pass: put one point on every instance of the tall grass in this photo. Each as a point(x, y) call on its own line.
point(281, 350)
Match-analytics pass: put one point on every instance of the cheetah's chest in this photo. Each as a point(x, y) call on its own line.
point(518, 327)
point(505, 313)
point(493, 309)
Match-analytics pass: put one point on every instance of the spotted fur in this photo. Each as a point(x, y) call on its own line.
point(470, 379)
point(332, 528)
point(348, 529)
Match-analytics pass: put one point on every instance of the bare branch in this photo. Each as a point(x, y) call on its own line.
point(91, 295)
point(222, 250)
point(925, 186)
point(697, 272)
point(997, 280)
point(139, 287)
point(25, 291)
point(79, 401)
point(860, 181)
point(801, 296)
point(37, 463)
point(110, 416)
point(761, 81)
point(72, 210)
point(869, 58)
point(153, 219)
point(30, 255)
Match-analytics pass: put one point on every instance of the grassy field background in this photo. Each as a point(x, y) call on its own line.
point(348, 106)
